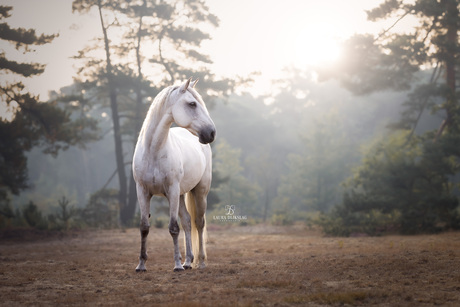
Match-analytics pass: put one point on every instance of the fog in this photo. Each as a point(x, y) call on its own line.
point(327, 114)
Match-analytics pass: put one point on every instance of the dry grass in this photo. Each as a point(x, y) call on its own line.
point(252, 266)
point(334, 298)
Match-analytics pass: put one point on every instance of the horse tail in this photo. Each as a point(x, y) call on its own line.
point(191, 208)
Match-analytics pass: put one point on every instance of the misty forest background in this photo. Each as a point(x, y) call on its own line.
point(369, 145)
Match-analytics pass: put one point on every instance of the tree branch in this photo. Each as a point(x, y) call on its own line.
point(164, 63)
point(433, 79)
point(113, 175)
point(393, 25)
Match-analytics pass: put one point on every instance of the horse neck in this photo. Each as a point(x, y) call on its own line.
point(155, 129)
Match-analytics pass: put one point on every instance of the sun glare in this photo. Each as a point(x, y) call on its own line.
point(311, 44)
point(315, 49)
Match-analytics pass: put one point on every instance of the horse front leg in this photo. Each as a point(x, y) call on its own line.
point(186, 225)
point(174, 200)
point(144, 204)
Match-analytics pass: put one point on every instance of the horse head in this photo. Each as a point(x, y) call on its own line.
point(189, 112)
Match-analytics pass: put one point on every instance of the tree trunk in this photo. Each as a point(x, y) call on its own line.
point(319, 204)
point(267, 204)
point(128, 214)
point(130, 209)
point(452, 46)
point(122, 194)
point(452, 26)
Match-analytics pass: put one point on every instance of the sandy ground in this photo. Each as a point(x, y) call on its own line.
point(247, 266)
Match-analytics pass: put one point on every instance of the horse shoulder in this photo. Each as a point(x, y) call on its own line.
point(191, 150)
point(192, 158)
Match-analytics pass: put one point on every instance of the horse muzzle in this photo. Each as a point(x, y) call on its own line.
point(207, 135)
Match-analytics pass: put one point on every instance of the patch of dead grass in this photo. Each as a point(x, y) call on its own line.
point(270, 284)
point(288, 269)
point(329, 298)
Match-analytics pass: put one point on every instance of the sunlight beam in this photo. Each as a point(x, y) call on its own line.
point(310, 44)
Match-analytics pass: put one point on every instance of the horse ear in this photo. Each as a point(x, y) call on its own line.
point(183, 87)
point(195, 82)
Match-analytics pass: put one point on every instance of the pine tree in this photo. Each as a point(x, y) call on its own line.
point(157, 36)
point(414, 175)
point(28, 122)
point(395, 60)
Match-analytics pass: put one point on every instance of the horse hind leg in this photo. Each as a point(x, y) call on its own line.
point(200, 224)
point(144, 205)
point(186, 225)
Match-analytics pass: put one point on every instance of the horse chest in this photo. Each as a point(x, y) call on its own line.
point(156, 184)
point(158, 176)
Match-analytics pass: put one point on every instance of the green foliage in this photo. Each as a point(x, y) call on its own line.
point(62, 219)
point(302, 136)
point(6, 214)
point(24, 69)
point(281, 219)
point(102, 210)
point(116, 75)
point(6, 211)
point(284, 155)
point(408, 180)
point(401, 185)
point(217, 180)
point(384, 10)
point(313, 180)
point(369, 67)
point(237, 189)
point(161, 222)
point(33, 216)
point(342, 221)
point(30, 123)
point(391, 60)
point(283, 213)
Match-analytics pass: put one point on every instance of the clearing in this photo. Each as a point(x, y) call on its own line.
point(247, 266)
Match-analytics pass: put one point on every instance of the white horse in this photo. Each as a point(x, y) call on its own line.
point(176, 162)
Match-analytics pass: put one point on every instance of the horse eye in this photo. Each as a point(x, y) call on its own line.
point(192, 104)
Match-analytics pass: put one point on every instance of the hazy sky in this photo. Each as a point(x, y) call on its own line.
point(254, 35)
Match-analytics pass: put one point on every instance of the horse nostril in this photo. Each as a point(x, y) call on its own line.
point(207, 136)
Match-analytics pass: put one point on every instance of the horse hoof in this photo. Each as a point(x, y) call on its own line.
point(187, 267)
point(178, 269)
point(141, 268)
